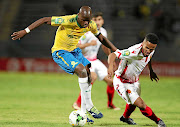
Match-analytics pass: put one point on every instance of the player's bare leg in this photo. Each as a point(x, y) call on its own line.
point(110, 93)
point(93, 77)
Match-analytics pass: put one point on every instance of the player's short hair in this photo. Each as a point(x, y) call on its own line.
point(97, 14)
point(152, 38)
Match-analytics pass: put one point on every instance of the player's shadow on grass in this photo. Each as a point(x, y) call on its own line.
point(122, 125)
point(30, 124)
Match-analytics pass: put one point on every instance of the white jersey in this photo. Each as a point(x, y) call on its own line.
point(91, 52)
point(132, 63)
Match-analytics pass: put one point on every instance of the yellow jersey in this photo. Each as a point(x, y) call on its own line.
point(69, 32)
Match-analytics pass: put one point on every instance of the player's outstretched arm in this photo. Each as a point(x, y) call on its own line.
point(152, 73)
point(21, 33)
point(106, 50)
point(111, 60)
point(106, 42)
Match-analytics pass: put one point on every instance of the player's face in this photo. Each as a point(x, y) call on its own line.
point(84, 21)
point(99, 21)
point(147, 48)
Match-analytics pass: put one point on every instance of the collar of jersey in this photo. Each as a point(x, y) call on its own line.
point(77, 22)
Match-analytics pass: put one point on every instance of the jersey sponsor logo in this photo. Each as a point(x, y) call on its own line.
point(126, 53)
point(59, 20)
point(73, 63)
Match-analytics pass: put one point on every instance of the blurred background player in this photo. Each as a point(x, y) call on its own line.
point(90, 46)
point(65, 52)
point(126, 79)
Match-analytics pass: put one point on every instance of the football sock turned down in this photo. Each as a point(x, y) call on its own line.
point(110, 94)
point(150, 114)
point(86, 102)
point(128, 110)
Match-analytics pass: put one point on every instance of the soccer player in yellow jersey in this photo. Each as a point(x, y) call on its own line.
point(66, 54)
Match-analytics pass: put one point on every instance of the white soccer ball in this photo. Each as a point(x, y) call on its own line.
point(77, 118)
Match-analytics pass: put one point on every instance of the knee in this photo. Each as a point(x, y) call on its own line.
point(80, 70)
point(142, 106)
point(108, 81)
point(140, 103)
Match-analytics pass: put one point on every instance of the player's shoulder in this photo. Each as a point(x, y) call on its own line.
point(134, 49)
point(103, 31)
point(64, 19)
point(71, 18)
point(67, 16)
point(92, 23)
point(87, 35)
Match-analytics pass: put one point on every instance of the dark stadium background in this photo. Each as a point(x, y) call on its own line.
point(126, 21)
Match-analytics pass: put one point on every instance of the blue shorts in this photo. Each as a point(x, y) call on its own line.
point(69, 60)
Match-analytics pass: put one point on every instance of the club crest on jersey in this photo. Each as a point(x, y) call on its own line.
point(73, 63)
point(126, 53)
point(59, 20)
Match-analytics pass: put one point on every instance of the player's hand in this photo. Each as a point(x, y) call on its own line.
point(93, 43)
point(153, 76)
point(18, 35)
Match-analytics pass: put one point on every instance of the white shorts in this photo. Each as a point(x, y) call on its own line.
point(128, 92)
point(99, 68)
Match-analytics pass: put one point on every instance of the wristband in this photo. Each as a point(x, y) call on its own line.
point(27, 30)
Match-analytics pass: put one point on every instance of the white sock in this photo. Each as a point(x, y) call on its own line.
point(83, 103)
point(86, 102)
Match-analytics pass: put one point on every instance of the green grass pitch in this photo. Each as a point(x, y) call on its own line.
point(45, 100)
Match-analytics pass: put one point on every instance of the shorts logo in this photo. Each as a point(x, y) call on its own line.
point(128, 91)
point(59, 20)
point(126, 53)
point(73, 63)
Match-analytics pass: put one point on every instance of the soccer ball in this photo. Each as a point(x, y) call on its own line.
point(77, 118)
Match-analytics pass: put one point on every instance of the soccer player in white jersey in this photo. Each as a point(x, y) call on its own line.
point(90, 46)
point(133, 61)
